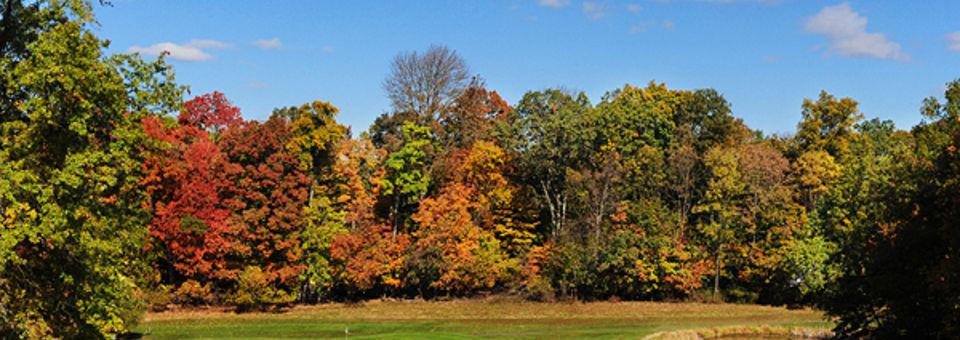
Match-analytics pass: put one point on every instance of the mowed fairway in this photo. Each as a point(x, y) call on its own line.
point(471, 318)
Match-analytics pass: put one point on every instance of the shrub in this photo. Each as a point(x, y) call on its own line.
point(193, 294)
point(254, 291)
point(157, 298)
point(540, 290)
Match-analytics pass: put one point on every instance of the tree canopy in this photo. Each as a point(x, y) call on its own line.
point(118, 194)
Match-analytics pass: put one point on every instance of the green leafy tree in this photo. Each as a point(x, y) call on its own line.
point(551, 138)
point(807, 263)
point(407, 178)
point(74, 225)
point(21, 23)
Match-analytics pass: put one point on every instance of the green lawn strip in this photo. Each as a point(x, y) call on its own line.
point(474, 320)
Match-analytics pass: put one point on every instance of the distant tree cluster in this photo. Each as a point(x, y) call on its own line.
point(117, 196)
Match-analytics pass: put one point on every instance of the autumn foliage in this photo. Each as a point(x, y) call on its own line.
point(192, 224)
point(115, 195)
point(652, 194)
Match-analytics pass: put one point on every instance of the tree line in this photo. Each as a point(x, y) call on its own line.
point(116, 195)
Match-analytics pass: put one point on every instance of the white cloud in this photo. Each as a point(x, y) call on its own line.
point(953, 40)
point(634, 8)
point(642, 27)
point(554, 3)
point(847, 32)
point(192, 51)
point(268, 44)
point(668, 25)
point(328, 49)
point(210, 44)
point(594, 10)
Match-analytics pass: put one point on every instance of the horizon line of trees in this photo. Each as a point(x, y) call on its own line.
point(117, 196)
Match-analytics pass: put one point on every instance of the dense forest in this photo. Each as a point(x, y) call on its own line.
point(118, 193)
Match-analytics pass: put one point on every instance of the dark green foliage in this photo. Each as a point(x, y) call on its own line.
point(899, 264)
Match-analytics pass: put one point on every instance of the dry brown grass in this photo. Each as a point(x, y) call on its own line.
point(752, 332)
point(489, 310)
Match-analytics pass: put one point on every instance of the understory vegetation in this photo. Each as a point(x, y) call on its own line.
point(118, 195)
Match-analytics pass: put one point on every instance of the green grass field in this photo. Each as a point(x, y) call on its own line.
point(470, 319)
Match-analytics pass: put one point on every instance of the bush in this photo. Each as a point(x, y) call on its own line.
point(191, 293)
point(254, 291)
point(157, 298)
point(540, 290)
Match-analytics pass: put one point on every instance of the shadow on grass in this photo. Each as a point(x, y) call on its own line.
point(130, 336)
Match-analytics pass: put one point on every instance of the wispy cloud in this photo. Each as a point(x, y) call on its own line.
point(192, 51)
point(643, 27)
point(554, 3)
point(268, 44)
point(634, 8)
point(328, 49)
point(668, 25)
point(639, 28)
point(765, 2)
point(594, 10)
point(847, 32)
point(209, 44)
point(256, 85)
point(953, 41)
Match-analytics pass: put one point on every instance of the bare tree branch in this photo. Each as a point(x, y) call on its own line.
point(426, 84)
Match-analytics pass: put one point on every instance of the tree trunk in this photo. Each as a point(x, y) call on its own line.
point(396, 211)
point(552, 207)
point(716, 278)
point(598, 219)
point(563, 212)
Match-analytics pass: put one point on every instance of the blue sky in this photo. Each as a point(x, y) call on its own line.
point(764, 56)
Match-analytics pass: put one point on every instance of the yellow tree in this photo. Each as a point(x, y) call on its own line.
point(813, 173)
point(452, 253)
point(827, 124)
point(720, 214)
